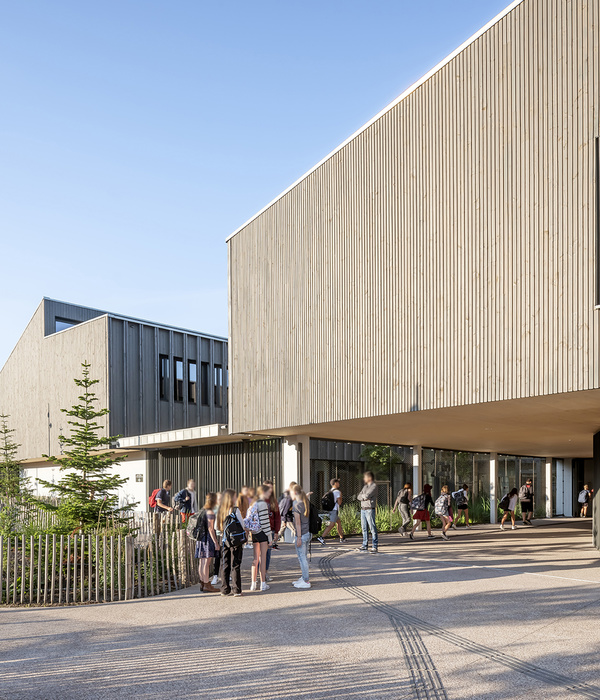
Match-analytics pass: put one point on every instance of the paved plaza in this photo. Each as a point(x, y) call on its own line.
point(489, 614)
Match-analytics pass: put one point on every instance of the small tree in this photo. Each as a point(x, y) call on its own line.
point(12, 482)
point(87, 492)
point(380, 459)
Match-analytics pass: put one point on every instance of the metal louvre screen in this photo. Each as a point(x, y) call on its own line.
point(217, 467)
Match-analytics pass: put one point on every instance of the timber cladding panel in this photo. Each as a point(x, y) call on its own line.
point(443, 256)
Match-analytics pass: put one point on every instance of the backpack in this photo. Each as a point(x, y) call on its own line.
point(403, 496)
point(461, 498)
point(152, 498)
point(441, 505)
point(418, 502)
point(234, 534)
point(328, 501)
point(523, 493)
point(504, 503)
point(252, 521)
point(314, 521)
point(197, 526)
point(285, 506)
point(582, 498)
point(179, 499)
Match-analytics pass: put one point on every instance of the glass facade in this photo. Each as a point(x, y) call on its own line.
point(446, 467)
point(514, 471)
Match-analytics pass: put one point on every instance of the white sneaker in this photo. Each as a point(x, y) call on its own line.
point(269, 578)
point(454, 526)
point(302, 584)
point(297, 581)
point(253, 586)
point(214, 580)
point(264, 586)
point(502, 527)
point(445, 536)
point(514, 527)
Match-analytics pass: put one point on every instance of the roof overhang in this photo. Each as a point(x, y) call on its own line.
point(185, 437)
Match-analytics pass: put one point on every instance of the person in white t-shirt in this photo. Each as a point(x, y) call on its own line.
point(334, 515)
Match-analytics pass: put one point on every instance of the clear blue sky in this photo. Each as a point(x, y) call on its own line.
point(136, 136)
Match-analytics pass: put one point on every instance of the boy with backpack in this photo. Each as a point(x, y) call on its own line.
point(332, 502)
point(185, 500)
point(526, 498)
point(461, 498)
point(584, 499)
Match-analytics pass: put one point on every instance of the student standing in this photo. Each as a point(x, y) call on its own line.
point(301, 513)
point(510, 501)
point(526, 498)
point(207, 543)
point(334, 513)
point(261, 539)
point(422, 514)
point(163, 505)
point(285, 511)
point(275, 520)
point(216, 565)
point(403, 499)
point(231, 550)
point(584, 500)
point(368, 503)
point(461, 498)
point(442, 507)
point(190, 504)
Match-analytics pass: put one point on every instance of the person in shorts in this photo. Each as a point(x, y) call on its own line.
point(513, 498)
point(584, 501)
point(334, 515)
point(461, 498)
point(526, 498)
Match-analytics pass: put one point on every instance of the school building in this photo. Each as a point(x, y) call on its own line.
point(434, 282)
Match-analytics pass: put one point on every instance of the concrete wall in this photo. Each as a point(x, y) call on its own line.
point(446, 255)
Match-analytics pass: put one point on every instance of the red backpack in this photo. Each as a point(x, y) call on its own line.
point(152, 498)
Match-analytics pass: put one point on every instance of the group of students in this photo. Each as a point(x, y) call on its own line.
point(229, 521)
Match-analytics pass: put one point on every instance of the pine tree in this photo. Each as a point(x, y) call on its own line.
point(87, 492)
point(12, 481)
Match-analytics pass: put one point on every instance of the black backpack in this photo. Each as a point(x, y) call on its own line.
point(234, 534)
point(504, 502)
point(314, 521)
point(328, 501)
point(197, 526)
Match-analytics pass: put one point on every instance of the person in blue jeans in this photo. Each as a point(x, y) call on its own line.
point(368, 501)
point(300, 512)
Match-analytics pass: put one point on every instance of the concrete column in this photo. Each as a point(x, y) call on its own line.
point(594, 485)
point(295, 457)
point(560, 501)
point(567, 488)
point(549, 487)
point(493, 482)
point(417, 478)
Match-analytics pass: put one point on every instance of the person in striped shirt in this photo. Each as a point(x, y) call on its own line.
point(261, 539)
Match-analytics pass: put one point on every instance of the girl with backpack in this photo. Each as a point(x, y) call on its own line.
point(442, 508)
point(275, 520)
point(232, 547)
point(421, 504)
point(259, 524)
point(508, 505)
point(301, 513)
point(402, 501)
point(207, 543)
point(461, 498)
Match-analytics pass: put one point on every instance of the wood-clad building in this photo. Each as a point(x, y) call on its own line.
point(435, 280)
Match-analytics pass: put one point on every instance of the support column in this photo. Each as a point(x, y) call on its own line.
point(493, 482)
point(560, 500)
point(594, 485)
point(549, 487)
point(295, 457)
point(567, 488)
point(417, 478)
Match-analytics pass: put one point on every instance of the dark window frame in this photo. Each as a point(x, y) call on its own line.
point(178, 383)
point(204, 383)
point(164, 368)
point(218, 384)
point(192, 384)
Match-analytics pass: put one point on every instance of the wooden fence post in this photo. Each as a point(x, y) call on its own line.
point(128, 567)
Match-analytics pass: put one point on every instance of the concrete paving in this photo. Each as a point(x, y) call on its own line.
point(489, 614)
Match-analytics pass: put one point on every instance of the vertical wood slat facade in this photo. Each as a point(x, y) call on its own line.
point(446, 254)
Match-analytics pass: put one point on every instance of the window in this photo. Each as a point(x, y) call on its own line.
point(204, 369)
point(163, 376)
point(192, 383)
point(61, 324)
point(178, 383)
point(218, 385)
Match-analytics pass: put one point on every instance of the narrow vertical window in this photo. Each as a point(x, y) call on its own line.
point(597, 221)
point(178, 375)
point(192, 381)
point(163, 376)
point(218, 385)
point(204, 383)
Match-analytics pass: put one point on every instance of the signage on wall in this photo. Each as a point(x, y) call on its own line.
point(139, 477)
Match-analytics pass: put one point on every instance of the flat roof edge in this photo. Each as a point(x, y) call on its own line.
point(385, 110)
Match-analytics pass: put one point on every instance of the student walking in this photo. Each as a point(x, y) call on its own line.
point(403, 499)
point(258, 517)
point(420, 504)
point(461, 498)
point(442, 507)
point(207, 543)
point(508, 505)
point(584, 501)
point(526, 498)
point(231, 524)
point(332, 502)
point(301, 513)
point(368, 503)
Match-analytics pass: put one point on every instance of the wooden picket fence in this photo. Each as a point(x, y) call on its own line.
point(68, 569)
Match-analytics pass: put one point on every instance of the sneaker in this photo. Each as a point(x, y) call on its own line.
point(342, 540)
point(302, 584)
point(269, 578)
point(226, 594)
point(468, 526)
point(410, 534)
point(363, 549)
point(321, 540)
point(274, 546)
point(402, 531)
point(214, 580)
point(253, 586)
point(502, 527)
point(445, 536)
point(264, 586)
point(248, 546)
point(454, 526)
point(514, 527)
point(431, 536)
point(237, 595)
point(374, 550)
point(297, 581)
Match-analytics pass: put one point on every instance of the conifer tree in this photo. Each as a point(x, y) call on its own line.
point(12, 481)
point(87, 492)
